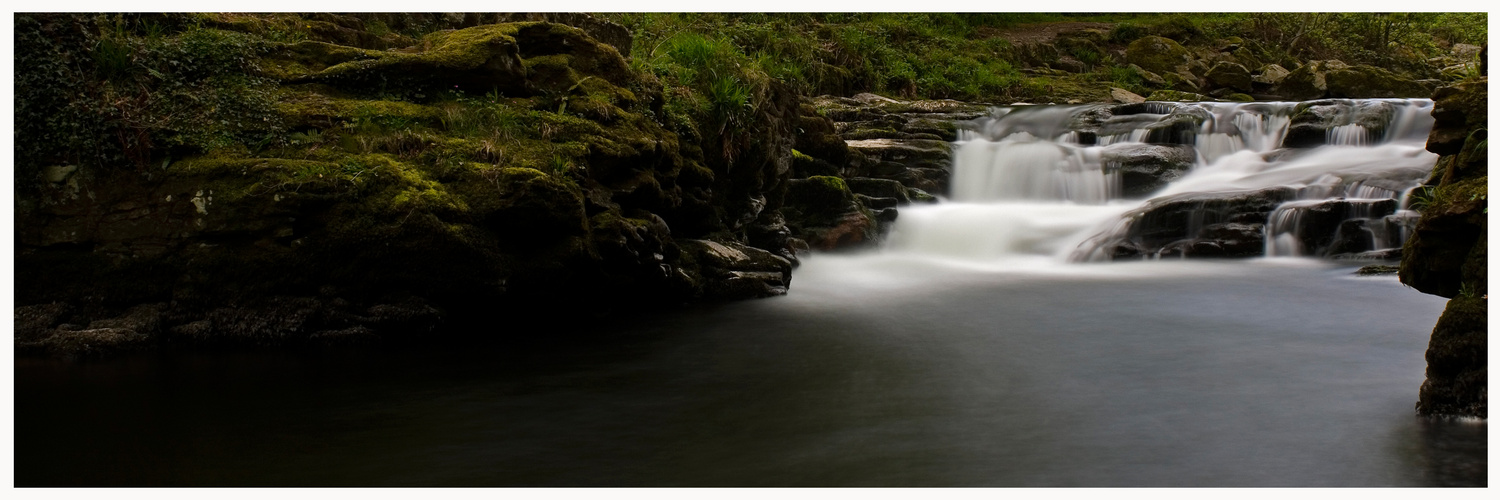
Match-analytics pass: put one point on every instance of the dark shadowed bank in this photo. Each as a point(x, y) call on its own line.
point(236, 180)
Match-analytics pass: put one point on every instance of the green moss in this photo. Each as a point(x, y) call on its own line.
point(1175, 96)
point(831, 182)
point(462, 49)
point(1156, 54)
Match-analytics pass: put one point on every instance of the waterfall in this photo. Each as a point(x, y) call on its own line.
point(1110, 182)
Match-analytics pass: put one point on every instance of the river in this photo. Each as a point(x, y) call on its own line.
point(986, 344)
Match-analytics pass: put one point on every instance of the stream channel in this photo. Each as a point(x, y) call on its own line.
point(1020, 333)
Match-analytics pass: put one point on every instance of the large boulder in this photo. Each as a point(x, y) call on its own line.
point(1157, 54)
point(916, 163)
point(1310, 81)
point(1269, 76)
point(1364, 81)
point(1229, 75)
point(1313, 121)
point(823, 212)
point(1457, 111)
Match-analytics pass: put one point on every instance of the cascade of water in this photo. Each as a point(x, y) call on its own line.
point(1047, 181)
point(1352, 134)
point(1021, 167)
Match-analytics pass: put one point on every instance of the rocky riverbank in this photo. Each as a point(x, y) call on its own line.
point(1447, 254)
point(350, 183)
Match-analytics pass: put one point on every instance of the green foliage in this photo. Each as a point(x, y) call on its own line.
point(1124, 33)
point(108, 91)
point(911, 55)
point(1468, 289)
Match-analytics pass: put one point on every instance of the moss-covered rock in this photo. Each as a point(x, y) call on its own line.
point(1458, 111)
point(1457, 361)
point(1176, 96)
point(1363, 81)
point(481, 58)
point(1447, 254)
point(1229, 75)
point(822, 211)
point(1157, 54)
point(1310, 81)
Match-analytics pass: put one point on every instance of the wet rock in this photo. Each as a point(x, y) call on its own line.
point(1329, 227)
point(1312, 121)
point(880, 188)
point(1144, 168)
point(920, 196)
point(735, 271)
point(1377, 270)
point(915, 163)
point(824, 213)
point(1194, 224)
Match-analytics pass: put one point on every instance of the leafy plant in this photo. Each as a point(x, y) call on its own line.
point(1421, 198)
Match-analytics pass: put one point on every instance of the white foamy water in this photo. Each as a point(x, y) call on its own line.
point(1029, 185)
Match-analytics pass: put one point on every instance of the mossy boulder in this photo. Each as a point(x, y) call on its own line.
point(1365, 81)
point(1310, 81)
point(822, 211)
point(1157, 54)
point(1458, 111)
point(1457, 361)
point(483, 58)
point(879, 188)
point(1229, 75)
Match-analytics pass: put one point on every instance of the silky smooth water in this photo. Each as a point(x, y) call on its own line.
point(878, 369)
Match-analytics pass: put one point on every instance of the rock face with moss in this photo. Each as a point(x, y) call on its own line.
point(497, 169)
point(1447, 254)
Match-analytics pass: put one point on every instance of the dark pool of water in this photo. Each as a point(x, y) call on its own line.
point(873, 372)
